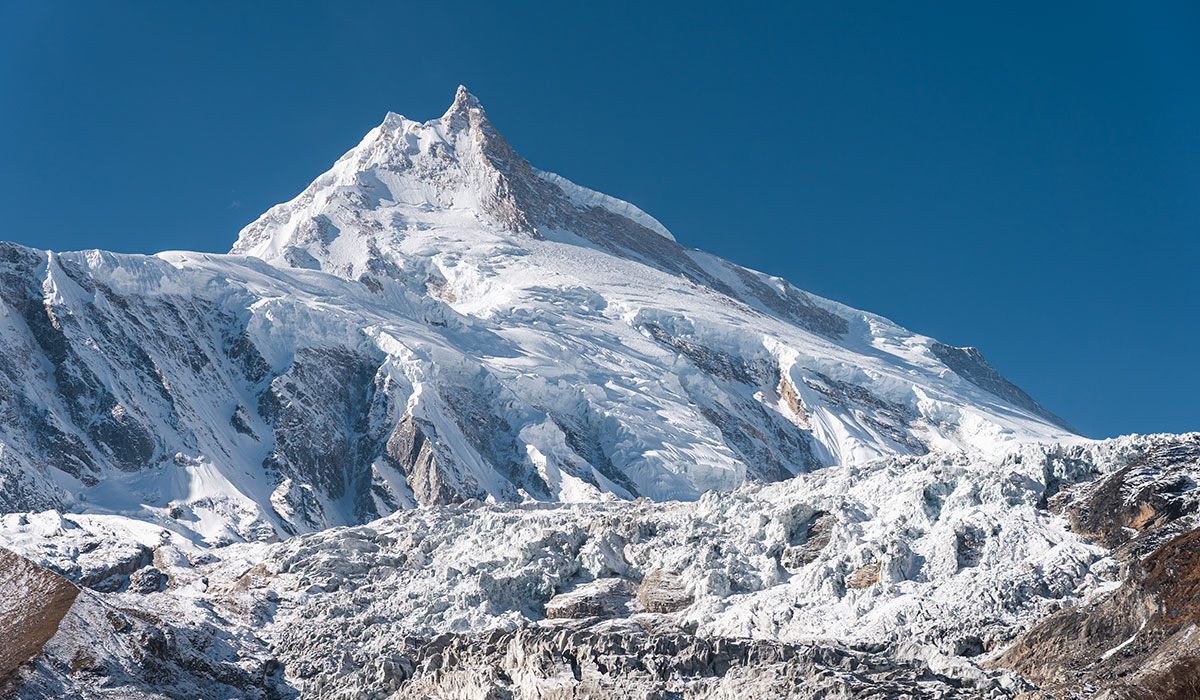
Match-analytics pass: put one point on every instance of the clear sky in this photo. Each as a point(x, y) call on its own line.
point(1023, 177)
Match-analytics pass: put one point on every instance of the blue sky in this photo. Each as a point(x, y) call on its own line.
point(1023, 177)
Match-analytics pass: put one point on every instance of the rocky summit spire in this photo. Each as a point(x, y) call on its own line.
point(464, 103)
point(463, 100)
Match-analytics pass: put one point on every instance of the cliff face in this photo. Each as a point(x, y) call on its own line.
point(591, 659)
point(35, 602)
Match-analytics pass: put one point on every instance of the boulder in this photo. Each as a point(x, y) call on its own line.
point(606, 597)
point(662, 591)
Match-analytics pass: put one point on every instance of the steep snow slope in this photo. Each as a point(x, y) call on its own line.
point(434, 320)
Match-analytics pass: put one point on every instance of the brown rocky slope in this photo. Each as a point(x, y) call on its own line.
point(1141, 639)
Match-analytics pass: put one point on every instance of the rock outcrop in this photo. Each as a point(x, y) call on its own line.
point(58, 640)
point(33, 603)
point(662, 591)
point(605, 597)
point(1143, 638)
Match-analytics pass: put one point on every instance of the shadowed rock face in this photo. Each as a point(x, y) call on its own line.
point(1136, 641)
point(86, 376)
point(586, 659)
point(320, 409)
point(95, 424)
point(969, 364)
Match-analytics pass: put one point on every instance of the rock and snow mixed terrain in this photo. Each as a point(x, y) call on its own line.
point(446, 425)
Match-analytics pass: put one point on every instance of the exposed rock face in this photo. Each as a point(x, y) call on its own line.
point(814, 537)
point(863, 577)
point(969, 364)
point(63, 641)
point(767, 441)
point(1140, 506)
point(415, 453)
point(1126, 642)
point(1141, 638)
point(147, 580)
point(321, 411)
point(34, 603)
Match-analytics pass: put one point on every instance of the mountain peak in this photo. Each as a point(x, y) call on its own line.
point(435, 173)
point(464, 103)
point(463, 99)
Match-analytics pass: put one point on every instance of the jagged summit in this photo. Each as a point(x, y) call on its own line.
point(453, 173)
point(464, 101)
point(456, 116)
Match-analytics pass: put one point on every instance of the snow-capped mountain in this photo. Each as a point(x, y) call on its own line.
point(497, 377)
point(434, 320)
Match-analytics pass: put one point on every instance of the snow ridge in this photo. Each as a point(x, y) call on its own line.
point(584, 197)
